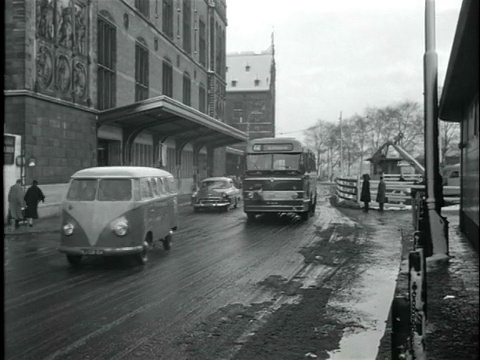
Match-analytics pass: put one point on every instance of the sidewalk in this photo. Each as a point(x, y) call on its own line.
point(53, 223)
point(452, 323)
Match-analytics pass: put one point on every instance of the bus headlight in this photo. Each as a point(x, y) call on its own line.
point(68, 229)
point(120, 226)
point(248, 194)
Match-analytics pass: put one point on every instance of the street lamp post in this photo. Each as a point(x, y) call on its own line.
point(341, 146)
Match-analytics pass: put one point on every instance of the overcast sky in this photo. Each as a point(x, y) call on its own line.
point(341, 55)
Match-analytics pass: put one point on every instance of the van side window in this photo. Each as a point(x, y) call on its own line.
point(161, 186)
point(145, 189)
point(171, 185)
point(153, 184)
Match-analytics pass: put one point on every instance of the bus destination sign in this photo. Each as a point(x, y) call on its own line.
point(273, 147)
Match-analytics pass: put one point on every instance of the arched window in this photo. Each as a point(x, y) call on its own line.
point(143, 7)
point(107, 61)
point(141, 70)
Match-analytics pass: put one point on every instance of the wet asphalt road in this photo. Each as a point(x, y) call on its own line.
point(114, 310)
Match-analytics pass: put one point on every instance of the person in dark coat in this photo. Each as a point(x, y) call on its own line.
point(32, 197)
point(15, 202)
point(381, 198)
point(365, 194)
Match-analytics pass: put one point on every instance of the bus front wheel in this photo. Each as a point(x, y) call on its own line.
point(251, 216)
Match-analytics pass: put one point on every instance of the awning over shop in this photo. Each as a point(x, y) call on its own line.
point(167, 118)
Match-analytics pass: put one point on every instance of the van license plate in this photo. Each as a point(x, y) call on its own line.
point(92, 252)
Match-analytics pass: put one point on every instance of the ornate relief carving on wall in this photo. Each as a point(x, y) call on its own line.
point(62, 32)
point(79, 80)
point(63, 73)
point(44, 67)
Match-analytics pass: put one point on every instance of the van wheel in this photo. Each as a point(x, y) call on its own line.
point(167, 242)
point(236, 203)
point(251, 216)
point(142, 258)
point(74, 260)
point(226, 208)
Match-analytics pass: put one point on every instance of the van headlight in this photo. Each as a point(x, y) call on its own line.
point(225, 195)
point(68, 229)
point(120, 226)
point(248, 194)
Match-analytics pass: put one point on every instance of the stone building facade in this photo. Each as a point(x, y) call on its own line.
point(251, 81)
point(68, 63)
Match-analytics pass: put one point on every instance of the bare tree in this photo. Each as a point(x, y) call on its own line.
point(449, 139)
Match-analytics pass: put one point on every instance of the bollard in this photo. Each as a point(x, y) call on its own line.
point(400, 337)
point(416, 288)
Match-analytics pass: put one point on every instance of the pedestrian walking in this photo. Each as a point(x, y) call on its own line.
point(32, 197)
point(365, 194)
point(15, 202)
point(381, 198)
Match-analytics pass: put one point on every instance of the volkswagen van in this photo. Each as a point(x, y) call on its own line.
point(115, 211)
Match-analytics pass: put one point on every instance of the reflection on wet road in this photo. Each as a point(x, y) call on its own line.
point(113, 310)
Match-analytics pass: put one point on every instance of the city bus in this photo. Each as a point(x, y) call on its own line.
point(280, 176)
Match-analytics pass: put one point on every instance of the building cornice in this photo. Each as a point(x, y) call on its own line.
point(29, 93)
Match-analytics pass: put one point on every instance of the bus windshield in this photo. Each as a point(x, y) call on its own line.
point(273, 162)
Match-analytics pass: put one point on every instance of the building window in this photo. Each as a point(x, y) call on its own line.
point(187, 26)
point(106, 69)
point(247, 68)
point(202, 43)
point(234, 83)
point(167, 23)
point(167, 79)
point(141, 72)
point(187, 91)
point(143, 6)
point(202, 99)
point(257, 82)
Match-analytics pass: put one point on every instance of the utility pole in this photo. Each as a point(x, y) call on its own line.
point(437, 224)
point(341, 146)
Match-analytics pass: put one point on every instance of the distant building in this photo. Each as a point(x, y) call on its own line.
point(125, 82)
point(459, 102)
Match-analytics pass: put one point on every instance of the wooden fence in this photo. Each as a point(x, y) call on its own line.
point(398, 193)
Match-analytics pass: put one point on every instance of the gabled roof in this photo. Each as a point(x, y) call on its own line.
point(251, 71)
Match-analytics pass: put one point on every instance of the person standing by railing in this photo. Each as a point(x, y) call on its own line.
point(381, 193)
point(365, 194)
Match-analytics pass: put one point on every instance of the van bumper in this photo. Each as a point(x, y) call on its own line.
point(102, 251)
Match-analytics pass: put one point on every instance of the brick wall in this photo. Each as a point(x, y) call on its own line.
point(14, 44)
point(61, 138)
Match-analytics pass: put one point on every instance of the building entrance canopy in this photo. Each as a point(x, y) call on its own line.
point(167, 118)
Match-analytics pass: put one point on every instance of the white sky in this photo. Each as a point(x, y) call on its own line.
point(341, 55)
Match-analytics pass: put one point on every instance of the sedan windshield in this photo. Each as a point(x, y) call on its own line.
point(214, 184)
point(273, 162)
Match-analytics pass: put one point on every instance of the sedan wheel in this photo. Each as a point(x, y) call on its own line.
point(74, 260)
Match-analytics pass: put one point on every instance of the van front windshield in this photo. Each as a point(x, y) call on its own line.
point(82, 190)
point(273, 162)
point(108, 190)
point(114, 190)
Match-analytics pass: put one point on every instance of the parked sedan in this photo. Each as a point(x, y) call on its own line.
point(216, 193)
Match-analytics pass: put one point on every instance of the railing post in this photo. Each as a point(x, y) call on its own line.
point(416, 287)
point(400, 338)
